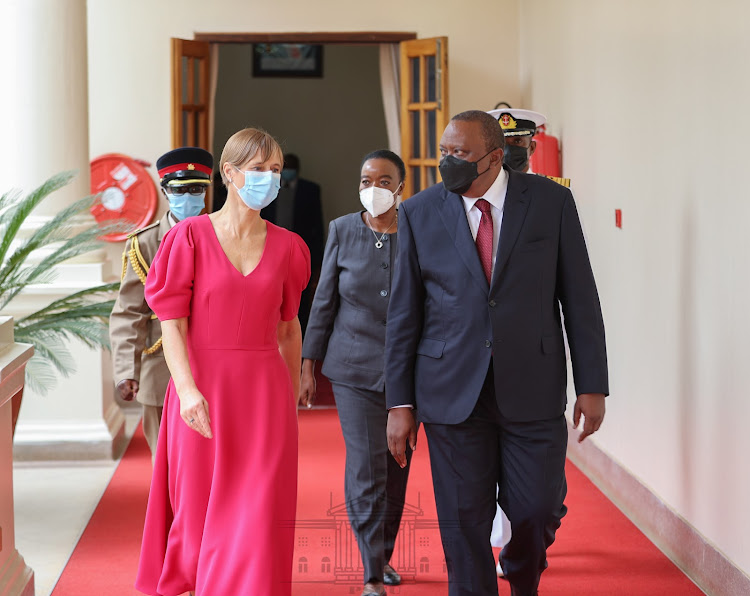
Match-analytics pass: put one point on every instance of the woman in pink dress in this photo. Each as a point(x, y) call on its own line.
point(226, 287)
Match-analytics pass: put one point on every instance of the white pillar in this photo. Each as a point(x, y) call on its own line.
point(45, 102)
point(16, 578)
point(44, 107)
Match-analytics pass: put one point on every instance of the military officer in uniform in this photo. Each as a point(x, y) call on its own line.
point(519, 128)
point(140, 370)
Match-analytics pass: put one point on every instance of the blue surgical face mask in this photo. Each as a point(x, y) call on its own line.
point(186, 205)
point(260, 188)
point(288, 175)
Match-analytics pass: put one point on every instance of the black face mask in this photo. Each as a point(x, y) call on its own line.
point(516, 157)
point(458, 174)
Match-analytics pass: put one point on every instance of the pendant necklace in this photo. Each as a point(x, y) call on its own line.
point(379, 242)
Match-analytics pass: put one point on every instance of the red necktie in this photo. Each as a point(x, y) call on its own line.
point(484, 237)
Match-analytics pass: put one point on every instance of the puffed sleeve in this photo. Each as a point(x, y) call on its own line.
point(298, 275)
point(169, 285)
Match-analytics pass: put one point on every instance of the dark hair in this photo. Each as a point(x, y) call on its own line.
point(291, 161)
point(491, 129)
point(390, 156)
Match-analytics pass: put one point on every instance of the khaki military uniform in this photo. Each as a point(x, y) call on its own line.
point(135, 332)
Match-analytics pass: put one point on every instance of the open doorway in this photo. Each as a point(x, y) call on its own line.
point(329, 122)
point(377, 90)
point(414, 73)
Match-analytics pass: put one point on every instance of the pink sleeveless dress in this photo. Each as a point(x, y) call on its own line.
point(221, 511)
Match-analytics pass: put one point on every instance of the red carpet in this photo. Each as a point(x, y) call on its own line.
point(598, 551)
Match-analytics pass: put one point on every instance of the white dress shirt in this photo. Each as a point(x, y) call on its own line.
point(495, 196)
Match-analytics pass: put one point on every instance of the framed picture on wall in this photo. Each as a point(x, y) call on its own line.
point(287, 60)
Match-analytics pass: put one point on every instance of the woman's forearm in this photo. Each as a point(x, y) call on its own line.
point(308, 366)
point(174, 342)
point(289, 336)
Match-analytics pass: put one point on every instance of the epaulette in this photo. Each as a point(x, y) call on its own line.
point(564, 181)
point(139, 230)
point(137, 261)
point(135, 256)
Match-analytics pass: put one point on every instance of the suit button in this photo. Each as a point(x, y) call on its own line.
point(383, 323)
point(384, 265)
point(488, 344)
point(383, 293)
point(493, 304)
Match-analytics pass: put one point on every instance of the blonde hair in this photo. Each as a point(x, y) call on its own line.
point(242, 146)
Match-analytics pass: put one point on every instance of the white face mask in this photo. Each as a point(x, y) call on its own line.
point(377, 200)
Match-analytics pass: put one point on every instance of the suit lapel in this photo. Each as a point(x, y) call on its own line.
point(454, 217)
point(514, 213)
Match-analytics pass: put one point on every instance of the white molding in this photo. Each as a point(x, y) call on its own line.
point(693, 553)
point(71, 440)
point(16, 578)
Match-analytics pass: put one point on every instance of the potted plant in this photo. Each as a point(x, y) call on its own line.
point(84, 315)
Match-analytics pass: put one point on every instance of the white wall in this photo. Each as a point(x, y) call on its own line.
point(329, 122)
point(129, 54)
point(651, 101)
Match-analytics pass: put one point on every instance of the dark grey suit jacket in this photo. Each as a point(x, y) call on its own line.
point(346, 329)
point(446, 323)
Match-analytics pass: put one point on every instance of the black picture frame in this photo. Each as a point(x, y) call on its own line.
point(287, 60)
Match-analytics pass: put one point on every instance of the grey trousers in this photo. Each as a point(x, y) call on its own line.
point(151, 423)
point(374, 484)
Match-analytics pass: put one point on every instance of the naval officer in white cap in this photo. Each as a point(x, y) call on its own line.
point(519, 128)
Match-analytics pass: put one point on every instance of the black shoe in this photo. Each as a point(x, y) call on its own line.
point(390, 577)
point(371, 590)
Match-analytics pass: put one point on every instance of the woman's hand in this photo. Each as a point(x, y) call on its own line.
point(194, 411)
point(193, 406)
point(289, 336)
point(308, 387)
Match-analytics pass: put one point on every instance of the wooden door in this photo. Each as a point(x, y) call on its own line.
point(424, 109)
point(190, 93)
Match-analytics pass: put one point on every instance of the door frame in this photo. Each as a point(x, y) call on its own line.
point(348, 38)
point(328, 38)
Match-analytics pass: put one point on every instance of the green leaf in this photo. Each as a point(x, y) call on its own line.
point(76, 300)
point(16, 214)
point(92, 332)
point(51, 348)
point(41, 376)
point(82, 316)
point(7, 200)
point(55, 230)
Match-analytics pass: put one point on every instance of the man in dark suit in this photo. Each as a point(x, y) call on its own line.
point(298, 208)
point(475, 347)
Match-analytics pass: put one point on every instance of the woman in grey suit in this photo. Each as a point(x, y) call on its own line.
point(346, 331)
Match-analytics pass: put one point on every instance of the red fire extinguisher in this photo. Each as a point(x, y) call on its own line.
point(546, 159)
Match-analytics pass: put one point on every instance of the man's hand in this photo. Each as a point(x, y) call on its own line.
point(128, 389)
point(401, 427)
point(591, 405)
